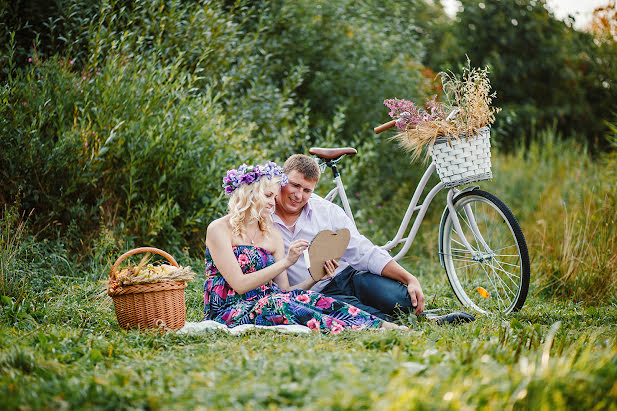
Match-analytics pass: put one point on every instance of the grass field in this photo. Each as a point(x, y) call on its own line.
point(66, 351)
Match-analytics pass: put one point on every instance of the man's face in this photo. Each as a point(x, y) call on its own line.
point(295, 194)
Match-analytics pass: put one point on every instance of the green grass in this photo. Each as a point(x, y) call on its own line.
point(64, 349)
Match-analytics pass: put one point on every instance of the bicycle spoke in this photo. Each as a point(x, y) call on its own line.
point(503, 248)
point(460, 251)
point(494, 286)
point(463, 250)
point(509, 274)
point(459, 243)
point(467, 265)
point(465, 259)
point(502, 281)
point(513, 265)
point(468, 222)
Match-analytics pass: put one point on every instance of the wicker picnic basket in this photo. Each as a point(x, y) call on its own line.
point(156, 305)
point(463, 161)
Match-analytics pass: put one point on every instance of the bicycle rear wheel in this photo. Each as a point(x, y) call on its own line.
point(495, 278)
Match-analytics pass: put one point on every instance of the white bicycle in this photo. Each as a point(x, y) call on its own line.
point(481, 245)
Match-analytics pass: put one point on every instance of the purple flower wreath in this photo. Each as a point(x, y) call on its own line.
point(251, 174)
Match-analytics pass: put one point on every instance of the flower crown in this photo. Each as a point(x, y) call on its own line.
point(251, 174)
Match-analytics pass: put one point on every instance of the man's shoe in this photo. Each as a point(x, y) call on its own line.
point(455, 317)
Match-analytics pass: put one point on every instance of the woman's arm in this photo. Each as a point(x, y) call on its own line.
point(279, 254)
point(283, 281)
point(330, 266)
point(218, 240)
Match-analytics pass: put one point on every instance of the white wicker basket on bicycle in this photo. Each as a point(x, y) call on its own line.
point(463, 161)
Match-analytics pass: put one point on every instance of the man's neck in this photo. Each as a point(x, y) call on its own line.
point(288, 218)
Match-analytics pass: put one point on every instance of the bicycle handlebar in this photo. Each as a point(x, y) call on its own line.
point(384, 127)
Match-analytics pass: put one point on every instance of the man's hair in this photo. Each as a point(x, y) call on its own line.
point(305, 165)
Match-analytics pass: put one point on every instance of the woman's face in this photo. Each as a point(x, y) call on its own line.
point(270, 194)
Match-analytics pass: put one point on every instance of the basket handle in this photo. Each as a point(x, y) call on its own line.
point(114, 269)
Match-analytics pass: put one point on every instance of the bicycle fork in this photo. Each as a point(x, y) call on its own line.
point(473, 225)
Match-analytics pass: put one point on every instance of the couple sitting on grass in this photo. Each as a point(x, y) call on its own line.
point(253, 280)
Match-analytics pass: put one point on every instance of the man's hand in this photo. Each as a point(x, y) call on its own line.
point(396, 272)
point(417, 297)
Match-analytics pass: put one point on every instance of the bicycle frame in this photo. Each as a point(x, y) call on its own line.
point(421, 209)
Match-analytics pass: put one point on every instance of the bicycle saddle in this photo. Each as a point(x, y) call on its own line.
point(332, 153)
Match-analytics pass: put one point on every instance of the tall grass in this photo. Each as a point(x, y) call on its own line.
point(567, 203)
point(12, 244)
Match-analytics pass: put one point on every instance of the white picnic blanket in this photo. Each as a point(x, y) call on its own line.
point(206, 326)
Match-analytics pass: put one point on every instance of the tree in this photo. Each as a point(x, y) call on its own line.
point(544, 71)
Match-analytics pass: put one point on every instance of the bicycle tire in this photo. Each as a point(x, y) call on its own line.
point(494, 280)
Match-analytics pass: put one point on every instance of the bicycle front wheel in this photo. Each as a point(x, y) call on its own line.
point(495, 277)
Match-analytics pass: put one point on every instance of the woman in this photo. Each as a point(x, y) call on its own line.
point(246, 264)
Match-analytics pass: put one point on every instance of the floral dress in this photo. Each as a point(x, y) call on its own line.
point(269, 305)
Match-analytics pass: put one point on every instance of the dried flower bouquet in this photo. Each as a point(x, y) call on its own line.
point(466, 110)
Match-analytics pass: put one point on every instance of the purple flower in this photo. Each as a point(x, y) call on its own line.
point(407, 114)
point(247, 178)
point(249, 174)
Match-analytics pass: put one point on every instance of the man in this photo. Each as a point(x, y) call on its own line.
point(368, 277)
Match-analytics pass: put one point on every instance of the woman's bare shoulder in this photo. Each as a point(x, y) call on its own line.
point(219, 228)
point(220, 224)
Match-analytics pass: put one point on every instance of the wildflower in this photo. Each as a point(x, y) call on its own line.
point(29, 59)
point(370, 221)
point(71, 62)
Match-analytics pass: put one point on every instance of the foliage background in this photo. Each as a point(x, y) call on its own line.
point(118, 119)
point(119, 116)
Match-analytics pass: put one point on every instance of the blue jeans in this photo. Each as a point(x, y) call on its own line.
point(375, 294)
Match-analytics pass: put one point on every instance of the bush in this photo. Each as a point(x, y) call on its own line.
point(136, 138)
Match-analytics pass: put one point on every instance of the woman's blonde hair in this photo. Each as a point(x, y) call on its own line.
point(247, 203)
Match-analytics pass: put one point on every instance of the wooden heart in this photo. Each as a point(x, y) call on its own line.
point(327, 245)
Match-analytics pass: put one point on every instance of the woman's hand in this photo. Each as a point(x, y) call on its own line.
point(330, 266)
point(296, 248)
